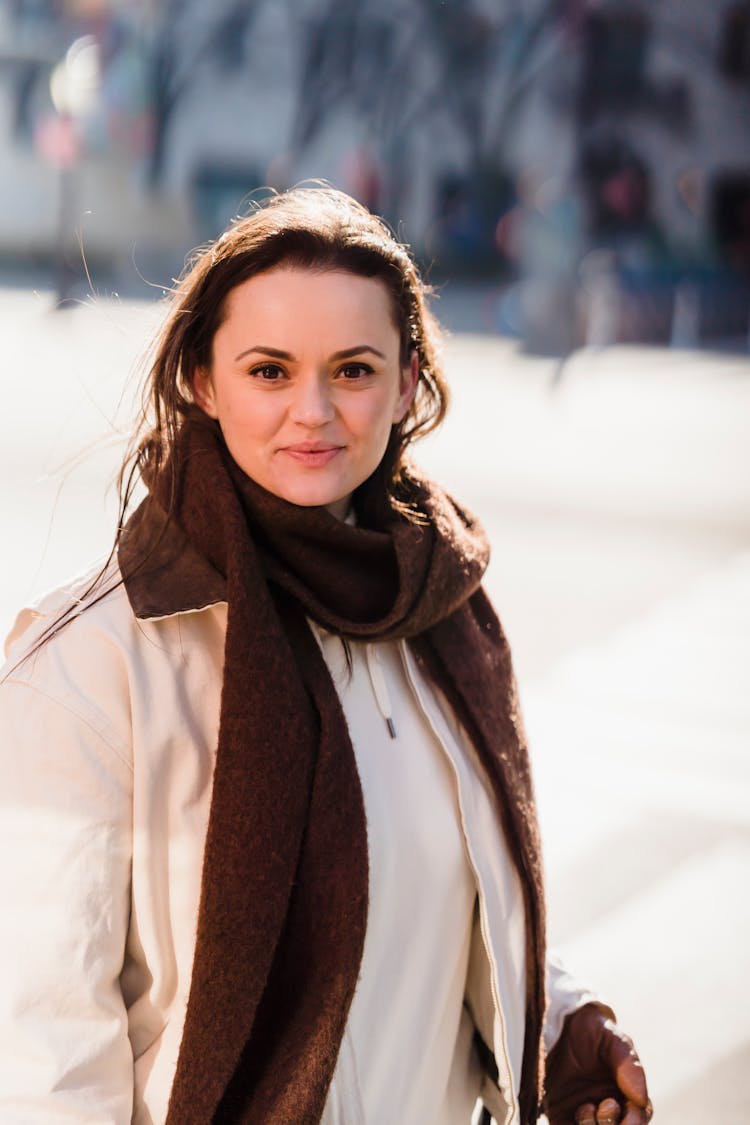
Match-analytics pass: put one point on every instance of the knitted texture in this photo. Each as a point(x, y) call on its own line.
point(283, 910)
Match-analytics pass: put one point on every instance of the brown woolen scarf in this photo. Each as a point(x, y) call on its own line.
point(283, 909)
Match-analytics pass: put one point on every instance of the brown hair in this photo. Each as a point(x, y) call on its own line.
point(317, 228)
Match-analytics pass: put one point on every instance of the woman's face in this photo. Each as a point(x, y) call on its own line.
point(306, 382)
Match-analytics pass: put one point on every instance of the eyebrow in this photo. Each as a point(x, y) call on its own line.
point(277, 353)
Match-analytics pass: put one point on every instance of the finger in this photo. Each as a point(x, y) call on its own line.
point(631, 1079)
point(608, 1112)
point(637, 1115)
point(620, 1054)
point(586, 1114)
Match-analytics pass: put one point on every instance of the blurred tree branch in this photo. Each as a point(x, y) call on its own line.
point(461, 61)
point(188, 34)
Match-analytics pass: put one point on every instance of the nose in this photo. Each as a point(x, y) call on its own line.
point(311, 403)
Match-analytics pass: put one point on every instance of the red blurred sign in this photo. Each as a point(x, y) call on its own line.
point(58, 141)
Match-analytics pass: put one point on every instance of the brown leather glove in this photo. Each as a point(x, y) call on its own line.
point(594, 1076)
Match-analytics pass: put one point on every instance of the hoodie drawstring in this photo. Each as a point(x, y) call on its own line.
point(380, 688)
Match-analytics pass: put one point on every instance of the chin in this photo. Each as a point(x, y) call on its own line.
point(312, 493)
point(305, 498)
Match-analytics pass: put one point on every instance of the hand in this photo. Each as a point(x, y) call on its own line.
point(594, 1076)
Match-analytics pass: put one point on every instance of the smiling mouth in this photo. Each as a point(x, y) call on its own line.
point(312, 454)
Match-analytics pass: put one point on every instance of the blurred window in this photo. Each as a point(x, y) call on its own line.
point(229, 40)
point(219, 192)
point(615, 44)
point(730, 218)
point(617, 184)
point(734, 54)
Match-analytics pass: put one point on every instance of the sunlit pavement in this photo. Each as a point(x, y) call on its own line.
point(617, 500)
point(642, 749)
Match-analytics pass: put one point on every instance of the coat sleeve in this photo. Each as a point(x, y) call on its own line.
point(565, 994)
point(65, 861)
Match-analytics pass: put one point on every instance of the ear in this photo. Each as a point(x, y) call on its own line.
point(409, 380)
point(203, 391)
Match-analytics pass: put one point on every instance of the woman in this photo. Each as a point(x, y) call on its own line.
point(271, 850)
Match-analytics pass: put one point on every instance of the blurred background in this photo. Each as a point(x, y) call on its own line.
point(574, 178)
point(587, 160)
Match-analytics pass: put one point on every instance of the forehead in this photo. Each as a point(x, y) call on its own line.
point(302, 302)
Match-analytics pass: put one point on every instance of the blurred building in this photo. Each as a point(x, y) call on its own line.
point(591, 158)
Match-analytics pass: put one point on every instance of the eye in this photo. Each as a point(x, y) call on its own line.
point(353, 372)
point(267, 372)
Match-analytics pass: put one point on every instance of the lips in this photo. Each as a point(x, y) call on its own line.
point(314, 454)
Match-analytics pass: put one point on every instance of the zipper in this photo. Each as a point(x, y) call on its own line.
point(375, 671)
point(505, 1071)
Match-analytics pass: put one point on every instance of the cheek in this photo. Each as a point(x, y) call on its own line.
point(372, 414)
point(252, 414)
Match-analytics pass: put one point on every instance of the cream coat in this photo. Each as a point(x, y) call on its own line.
point(107, 745)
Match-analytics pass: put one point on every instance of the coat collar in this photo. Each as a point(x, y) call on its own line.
point(162, 572)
